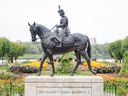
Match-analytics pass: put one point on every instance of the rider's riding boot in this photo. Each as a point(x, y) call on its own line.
point(60, 42)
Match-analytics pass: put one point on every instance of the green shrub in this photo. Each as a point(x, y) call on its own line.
point(124, 70)
point(12, 88)
point(122, 85)
point(11, 84)
point(122, 91)
point(64, 65)
point(7, 76)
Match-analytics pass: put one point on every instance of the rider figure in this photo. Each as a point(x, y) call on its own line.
point(63, 25)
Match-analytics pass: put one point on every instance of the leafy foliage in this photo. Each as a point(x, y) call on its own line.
point(125, 45)
point(115, 50)
point(4, 47)
point(120, 82)
point(7, 76)
point(122, 91)
point(10, 50)
point(65, 65)
point(16, 50)
point(11, 85)
point(32, 48)
point(100, 51)
point(124, 70)
point(118, 48)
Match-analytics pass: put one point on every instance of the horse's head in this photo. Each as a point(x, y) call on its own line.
point(40, 30)
point(33, 30)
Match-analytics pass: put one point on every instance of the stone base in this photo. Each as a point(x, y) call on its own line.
point(64, 86)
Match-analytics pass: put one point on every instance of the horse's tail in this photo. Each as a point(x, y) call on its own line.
point(89, 47)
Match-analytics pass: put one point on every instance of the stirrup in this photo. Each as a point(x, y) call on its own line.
point(56, 40)
point(60, 45)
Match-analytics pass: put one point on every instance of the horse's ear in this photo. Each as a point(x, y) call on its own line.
point(29, 24)
point(59, 7)
point(34, 24)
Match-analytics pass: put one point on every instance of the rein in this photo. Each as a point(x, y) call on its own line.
point(39, 38)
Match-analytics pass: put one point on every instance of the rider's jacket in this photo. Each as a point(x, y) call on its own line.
point(64, 25)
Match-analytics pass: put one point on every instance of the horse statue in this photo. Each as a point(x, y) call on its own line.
point(76, 42)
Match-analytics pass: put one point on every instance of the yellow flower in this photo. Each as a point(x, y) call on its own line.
point(36, 64)
point(95, 64)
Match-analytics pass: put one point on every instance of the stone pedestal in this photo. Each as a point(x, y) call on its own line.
point(64, 86)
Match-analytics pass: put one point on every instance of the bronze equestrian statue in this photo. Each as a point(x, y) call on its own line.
point(61, 42)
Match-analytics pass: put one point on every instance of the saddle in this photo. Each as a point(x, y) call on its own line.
point(68, 40)
point(61, 38)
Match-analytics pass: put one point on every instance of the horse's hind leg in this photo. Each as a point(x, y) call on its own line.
point(42, 61)
point(85, 55)
point(78, 56)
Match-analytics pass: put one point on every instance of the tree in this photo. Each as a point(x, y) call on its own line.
point(124, 69)
point(16, 50)
point(125, 45)
point(100, 51)
point(11, 52)
point(20, 51)
point(32, 48)
point(115, 50)
point(4, 47)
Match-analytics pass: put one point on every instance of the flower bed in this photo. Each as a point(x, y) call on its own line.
point(29, 67)
point(11, 85)
point(23, 69)
point(107, 69)
point(35, 64)
point(95, 64)
point(101, 67)
point(120, 82)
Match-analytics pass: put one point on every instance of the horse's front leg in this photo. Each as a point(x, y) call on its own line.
point(52, 63)
point(41, 64)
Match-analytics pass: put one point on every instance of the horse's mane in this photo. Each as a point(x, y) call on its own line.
point(43, 28)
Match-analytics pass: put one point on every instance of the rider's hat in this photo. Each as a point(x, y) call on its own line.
point(61, 11)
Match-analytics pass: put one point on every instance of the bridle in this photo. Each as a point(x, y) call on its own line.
point(41, 40)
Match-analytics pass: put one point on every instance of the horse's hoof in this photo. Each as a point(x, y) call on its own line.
point(94, 73)
point(71, 74)
point(39, 74)
point(52, 75)
point(40, 59)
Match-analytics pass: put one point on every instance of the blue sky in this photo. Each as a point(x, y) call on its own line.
point(107, 20)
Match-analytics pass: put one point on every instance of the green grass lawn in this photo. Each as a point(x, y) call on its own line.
point(79, 73)
point(30, 56)
point(4, 67)
point(48, 73)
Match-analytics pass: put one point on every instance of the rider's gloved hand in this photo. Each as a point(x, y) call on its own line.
point(58, 26)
